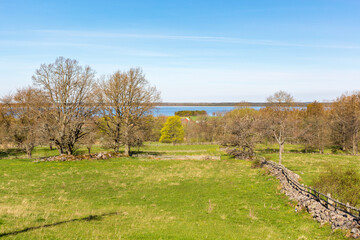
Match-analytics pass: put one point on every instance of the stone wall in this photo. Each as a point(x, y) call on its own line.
point(323, 213)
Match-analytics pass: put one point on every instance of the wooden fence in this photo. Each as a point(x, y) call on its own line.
point(324, 199)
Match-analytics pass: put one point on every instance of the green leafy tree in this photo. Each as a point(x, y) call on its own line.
point(173, 131)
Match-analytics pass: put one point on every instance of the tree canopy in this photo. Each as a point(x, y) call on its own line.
point(173, 131)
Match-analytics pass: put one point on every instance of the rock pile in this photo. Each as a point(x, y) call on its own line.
point(320, 212)
point(107, 155)
point(93, 156)
point(181, 157)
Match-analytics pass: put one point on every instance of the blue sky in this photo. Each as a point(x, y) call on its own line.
point(203, 51)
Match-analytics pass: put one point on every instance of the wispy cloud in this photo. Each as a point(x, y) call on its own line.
point(47, 44)
point(234, 40)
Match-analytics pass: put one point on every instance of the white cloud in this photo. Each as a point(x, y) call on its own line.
point(244, 41)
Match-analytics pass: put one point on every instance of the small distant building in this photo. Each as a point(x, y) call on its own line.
point(185, 120)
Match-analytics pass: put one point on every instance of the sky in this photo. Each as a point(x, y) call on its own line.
point(192, 51)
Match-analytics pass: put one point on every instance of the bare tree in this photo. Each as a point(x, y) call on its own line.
point(125, 99)
point(204, 129)
point(6, 119)
point(280, 118)
point(315, 126)
point(2, 124)
point(92, 136)
point(345, 121)
point(240, 128)
point(68, 88)
point(27, 114)
point(152, 127)
point(20, 118)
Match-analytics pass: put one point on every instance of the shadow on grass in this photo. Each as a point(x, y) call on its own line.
point(89, 218)
point(276, 150)
point(147, 153)
point(11, 152)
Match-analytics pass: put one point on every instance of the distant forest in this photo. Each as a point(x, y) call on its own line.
point(232, 104)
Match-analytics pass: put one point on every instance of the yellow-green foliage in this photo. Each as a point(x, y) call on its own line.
point(173, 131)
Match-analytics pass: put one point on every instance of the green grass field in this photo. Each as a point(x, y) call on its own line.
point(309, 165)
point(132, 198)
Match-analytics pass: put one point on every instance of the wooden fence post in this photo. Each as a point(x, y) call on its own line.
point(330, 203)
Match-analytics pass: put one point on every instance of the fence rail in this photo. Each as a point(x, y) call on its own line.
point(324, 199)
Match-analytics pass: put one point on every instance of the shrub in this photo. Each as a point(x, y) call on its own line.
point(342, 183)
point(257, 163)
point(241, 153)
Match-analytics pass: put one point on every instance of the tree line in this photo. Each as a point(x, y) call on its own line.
point(316, 127)
point(67, 107)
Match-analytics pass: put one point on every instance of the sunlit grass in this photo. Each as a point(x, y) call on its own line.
point(308, 166)
point(153, 199)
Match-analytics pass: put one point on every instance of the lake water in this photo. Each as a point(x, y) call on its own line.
point(211, 110)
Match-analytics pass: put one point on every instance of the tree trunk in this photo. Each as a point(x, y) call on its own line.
point(29, 152)
point(127, 141)
point(116, 146)
point(51, 147)
point(355, 144)
point(343, 143)
point(127, 150)
point(89, 149)
point(321, 147)
point(60, 148)
point(69, 149)
point(281, 150)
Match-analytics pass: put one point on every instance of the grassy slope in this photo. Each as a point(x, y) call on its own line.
point(309, 165)
point(155, 200)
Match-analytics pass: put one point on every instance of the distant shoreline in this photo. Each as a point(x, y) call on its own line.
point(228, 104)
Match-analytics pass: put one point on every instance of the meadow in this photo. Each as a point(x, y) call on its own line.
point(140, 198)
point(309, 165)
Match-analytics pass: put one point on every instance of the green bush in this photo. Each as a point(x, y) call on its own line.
point(342, 183)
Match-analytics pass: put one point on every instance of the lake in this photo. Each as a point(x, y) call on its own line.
point(211, 110)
